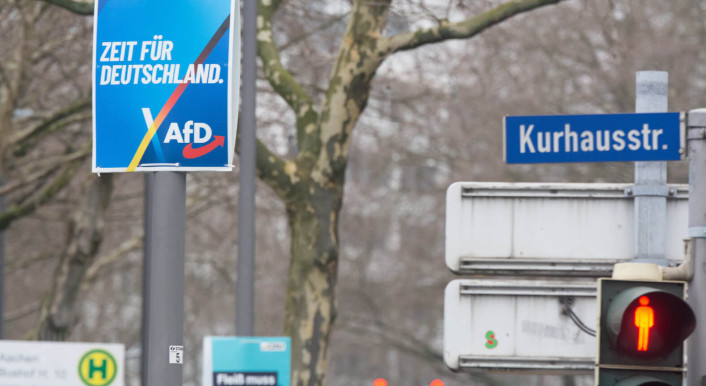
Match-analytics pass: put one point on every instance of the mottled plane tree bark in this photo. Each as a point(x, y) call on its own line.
point(312, 183)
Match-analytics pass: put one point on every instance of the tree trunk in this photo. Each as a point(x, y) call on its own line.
point(58, 310)
point(311, 305)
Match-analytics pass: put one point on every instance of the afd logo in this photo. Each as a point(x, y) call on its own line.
point(190, 133)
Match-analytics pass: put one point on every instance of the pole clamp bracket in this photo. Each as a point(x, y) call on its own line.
point(650, 191)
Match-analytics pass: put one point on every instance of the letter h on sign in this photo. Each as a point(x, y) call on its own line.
point(103, 368)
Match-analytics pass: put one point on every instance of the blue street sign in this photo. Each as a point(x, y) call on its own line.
point(246, 361)
point(164, 72)
point(592, 138)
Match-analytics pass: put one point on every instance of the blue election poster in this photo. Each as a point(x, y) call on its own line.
point(164, 75)
point(246, 361)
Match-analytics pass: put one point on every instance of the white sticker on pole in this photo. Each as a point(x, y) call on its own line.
point(176, 354)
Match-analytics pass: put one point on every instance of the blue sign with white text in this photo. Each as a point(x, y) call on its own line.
point(592, 138)
point(163, 75)
point(246, 361)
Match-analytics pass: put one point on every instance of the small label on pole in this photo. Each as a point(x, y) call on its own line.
point(176, 354)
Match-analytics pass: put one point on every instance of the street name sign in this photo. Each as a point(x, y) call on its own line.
point(593, 138)
point(165, 85)
point(519, 325)
point(246, 361)
point(551, 229)
point(32, 363)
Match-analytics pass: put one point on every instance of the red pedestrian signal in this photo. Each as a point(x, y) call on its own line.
point(642, 328)
point(644, 321)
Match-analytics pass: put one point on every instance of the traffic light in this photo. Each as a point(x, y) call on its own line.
point(642, 328)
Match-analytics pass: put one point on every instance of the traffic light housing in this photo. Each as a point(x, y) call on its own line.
point(615, 377)
point(642, 328)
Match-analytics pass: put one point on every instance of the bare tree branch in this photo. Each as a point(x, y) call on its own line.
point(464, 29)
point(49, 190)
point(322, 27)
point(25, 262)
point(81, 7)
point(280, 175)
point(102, 263)
point(282, 80)
point(25, 310)
point(75, 112)
point(270, 167)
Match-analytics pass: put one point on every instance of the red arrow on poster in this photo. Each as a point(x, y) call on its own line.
point(190, 153)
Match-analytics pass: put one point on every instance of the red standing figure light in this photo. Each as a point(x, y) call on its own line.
point(644, 320)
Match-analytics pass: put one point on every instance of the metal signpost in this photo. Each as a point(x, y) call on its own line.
point(165, 81)
point(651, 177)
point(570, 234)
point(245, 291)
point(163, 277)
point(697, 231)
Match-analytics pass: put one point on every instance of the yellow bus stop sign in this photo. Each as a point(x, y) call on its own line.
point(97, 368)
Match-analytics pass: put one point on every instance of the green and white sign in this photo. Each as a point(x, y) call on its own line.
point(30, 363)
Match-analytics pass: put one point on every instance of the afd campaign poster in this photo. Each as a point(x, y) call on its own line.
point(246, 361)
point(166, 76)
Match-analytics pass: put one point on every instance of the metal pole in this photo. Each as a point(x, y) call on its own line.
point(163, 304)
point(650, 189)
point(245, 289)
point(696, 345)
point(3, 207)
